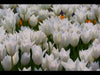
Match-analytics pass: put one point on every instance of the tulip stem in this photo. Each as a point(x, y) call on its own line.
point(31, 61)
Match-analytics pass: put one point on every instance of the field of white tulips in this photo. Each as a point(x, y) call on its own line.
point(49, 37)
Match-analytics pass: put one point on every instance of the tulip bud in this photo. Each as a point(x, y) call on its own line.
point(43, 14)
point(65, 39)
point(11, 46)
point(74, 39)
point(33, 20)
point(86, 36)
point(57, 37)
point(37, 55)
point(96, 51)
point(25, 58)
point(7, 63)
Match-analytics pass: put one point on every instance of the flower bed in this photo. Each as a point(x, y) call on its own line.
point(49, 37)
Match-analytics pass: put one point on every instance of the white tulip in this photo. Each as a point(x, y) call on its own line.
point(80, 16)
point(70, 10)
point(33, 9)
point(43, 14)
point(39, 37)
point(37, 54)
point(64, 55)
point(22, 9)
point(94, 65)
point(57, 9)
point(46, 27)
point(69, 65)
point(3, 52)
point(55, 52)
point(65, 8)
point(86, 55)
point(54, 65)
point(57, 37)
point(9, 22)
point(29, 13)
point(7, 63)
point(86, 36)
point(11, 46)
point(95, 8)
point(15, 58)
point(26, 45)
point(65, 40)
point(87, 26)
point(91, 15)
point(94, 32)
point(25, 58)
point(96, 51)
point(81, 65)
point(49, 58)
point(33, 20)
point(74, 39)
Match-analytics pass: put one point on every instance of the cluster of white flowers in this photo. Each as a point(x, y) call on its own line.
point(49, 37)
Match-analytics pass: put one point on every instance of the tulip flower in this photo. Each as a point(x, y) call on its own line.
point(33, 21)
point(74, 39)
point(65, 40)
point(7, 63)
point(86, 36)
point(55, 52)
point(25, 58)
point(54, 65)
point(64, 55)
point(26, 45)
point(11, 46)
point(37, 55)
point(86, 55)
